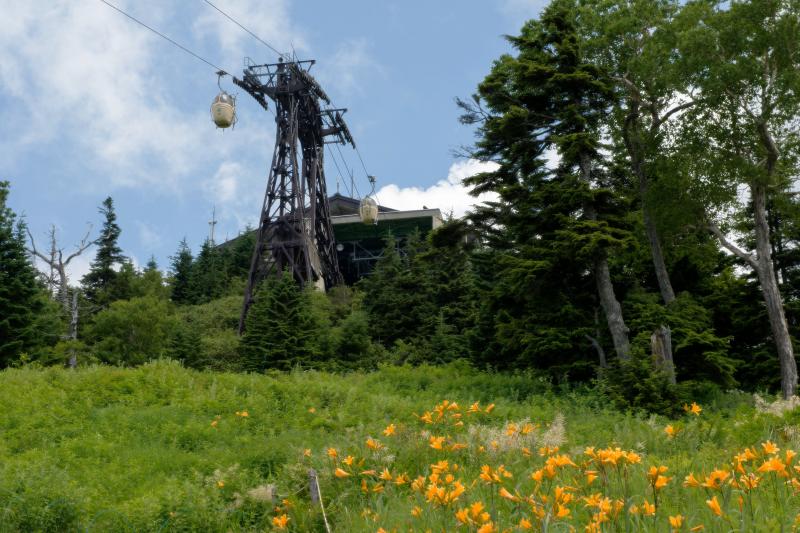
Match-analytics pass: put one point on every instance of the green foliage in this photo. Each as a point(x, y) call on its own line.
point(281, 329)
point(698, 352)
point(208, 279)
point(134, 449)
point(131, 332)
point(21, 299)
point(636, 384)
point(98, 283)
point(181, 268)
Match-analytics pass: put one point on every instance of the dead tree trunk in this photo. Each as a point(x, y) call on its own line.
point(60, 287)
point(661, 347)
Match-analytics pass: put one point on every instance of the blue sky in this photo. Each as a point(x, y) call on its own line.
point(94, 105)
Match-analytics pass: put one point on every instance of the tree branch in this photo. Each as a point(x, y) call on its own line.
point(735, 250)
point(85, 243)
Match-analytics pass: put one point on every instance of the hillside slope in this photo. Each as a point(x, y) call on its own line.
point(163, 448)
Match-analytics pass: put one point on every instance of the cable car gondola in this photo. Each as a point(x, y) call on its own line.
point(368, 209)
point(223, 108)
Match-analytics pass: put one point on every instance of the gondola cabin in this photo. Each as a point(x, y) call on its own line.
point(223, 110)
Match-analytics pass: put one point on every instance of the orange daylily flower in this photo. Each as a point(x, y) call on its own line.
point(280, 521)
point(713, 504)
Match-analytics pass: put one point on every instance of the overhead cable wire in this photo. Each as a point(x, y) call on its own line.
point(207, 62)
point(262, 41)
point(339, 170)
point(348, 169)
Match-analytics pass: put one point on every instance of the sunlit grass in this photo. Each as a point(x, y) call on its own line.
point(162, 448)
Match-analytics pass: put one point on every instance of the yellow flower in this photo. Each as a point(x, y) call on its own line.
point(385, 475)
point(591, 475)
point(648, 509)
point(700, 527)
point(312, 410)
point(507, 495)
point(341, 473)
point(676, 521)
point(474, 408)
point(488, 527)
point(332, 453)
point(416, 511)
point(694, 408)
point(220, 484)
point(561, 511)
point(436, 442)
point(770, 448)
point(489, 408)
point(670, 431)
point(714, 479)
point(373, 444)
point(525, 524)
point(389, 431)
point(691, 481)
point(774, 464)
point(214, 423)
point(280, 521)
point(713, 504)
point(243, 414)
point(307, 452)
point(661, 482)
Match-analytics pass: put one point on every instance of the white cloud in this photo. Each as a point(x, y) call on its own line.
point(269, 19)
point(149, 236)
point(84, 76)
point(80, 72)
point(344, 72)
point(449, 195)
point(522, 10)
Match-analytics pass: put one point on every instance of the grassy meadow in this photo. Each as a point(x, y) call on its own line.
point(163, 448)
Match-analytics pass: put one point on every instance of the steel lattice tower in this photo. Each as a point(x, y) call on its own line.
point(295, 232)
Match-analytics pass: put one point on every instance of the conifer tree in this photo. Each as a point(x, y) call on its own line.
point(208, 279)
point(553, 228)
point(280, 329)
point(181, 270)
point(19, 293)
point(97, 283)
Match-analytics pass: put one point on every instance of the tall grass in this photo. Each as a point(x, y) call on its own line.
point(163, 448)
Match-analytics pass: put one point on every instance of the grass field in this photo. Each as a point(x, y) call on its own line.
point(162, 448)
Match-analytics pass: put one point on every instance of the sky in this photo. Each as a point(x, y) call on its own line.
point(94, 105)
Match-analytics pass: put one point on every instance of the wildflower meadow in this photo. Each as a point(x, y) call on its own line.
point(164, 448)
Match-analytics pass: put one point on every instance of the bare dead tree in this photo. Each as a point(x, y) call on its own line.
point(58, 279)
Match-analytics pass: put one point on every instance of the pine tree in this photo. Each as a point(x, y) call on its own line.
point(97, 283)
point(208, 279)
point(398, 295)
point(551, 229)
point(20, 296)
point(280, 329)
point(181, 270)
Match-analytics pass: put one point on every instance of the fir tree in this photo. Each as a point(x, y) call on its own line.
point(208, 279)
point(551, 229)
point(20, 296)
point(280, 329)
point(181, 270)
point(97, 283)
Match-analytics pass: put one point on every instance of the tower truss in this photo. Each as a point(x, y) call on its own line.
point(295, 233)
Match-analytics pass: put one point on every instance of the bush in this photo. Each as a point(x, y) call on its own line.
point(636, 384)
